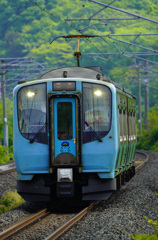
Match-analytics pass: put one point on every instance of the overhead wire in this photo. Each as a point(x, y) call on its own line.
point(70, 25)
point(121, 10)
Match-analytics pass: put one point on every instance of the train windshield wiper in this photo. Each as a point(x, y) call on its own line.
point(39, 131)
point(94, 133)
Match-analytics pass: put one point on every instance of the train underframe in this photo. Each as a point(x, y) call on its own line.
point(45, 188)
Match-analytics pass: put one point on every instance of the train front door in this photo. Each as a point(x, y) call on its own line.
point(64, 120)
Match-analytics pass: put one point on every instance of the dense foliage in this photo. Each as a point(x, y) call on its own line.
point(149, 139)
point(27, 30)
point(6, 154)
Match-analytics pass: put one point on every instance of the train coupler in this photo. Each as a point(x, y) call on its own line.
point(65, 189)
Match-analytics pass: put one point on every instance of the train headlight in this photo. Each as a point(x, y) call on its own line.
point(30, 94)
point(98, 93)
point(64, 175)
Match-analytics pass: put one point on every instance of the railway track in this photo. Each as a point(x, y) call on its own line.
point(61, 230)
point(7, 168)
point(19, 226)
point(140, 163)
point(41, 215)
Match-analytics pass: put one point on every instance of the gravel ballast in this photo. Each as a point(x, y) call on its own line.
point(124, 214)
point(8, 182)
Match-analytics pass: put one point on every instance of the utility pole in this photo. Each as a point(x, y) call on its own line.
point(139, 99)
point(146, 81)
point(0, 89)
point(5, 126)
point(139, 103)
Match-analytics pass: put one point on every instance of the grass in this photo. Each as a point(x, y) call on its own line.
point(9, 201)
point(146, 237)
point(5, 154)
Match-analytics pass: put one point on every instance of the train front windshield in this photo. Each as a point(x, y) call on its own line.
point(32, 112)
point(32, 116)
point(96, 111)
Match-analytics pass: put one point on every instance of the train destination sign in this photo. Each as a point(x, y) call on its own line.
point(60, 86)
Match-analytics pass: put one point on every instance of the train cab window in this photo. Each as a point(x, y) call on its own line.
point(32, 112)
point(64, 125)
point(96, 111)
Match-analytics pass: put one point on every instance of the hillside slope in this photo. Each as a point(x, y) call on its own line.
point(28, 29)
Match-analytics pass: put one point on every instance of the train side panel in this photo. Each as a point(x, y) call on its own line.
point(127, 136)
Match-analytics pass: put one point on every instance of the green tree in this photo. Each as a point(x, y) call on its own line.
point(149, 138)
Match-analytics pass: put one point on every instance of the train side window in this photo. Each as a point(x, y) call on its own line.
point(32, 112)
point(96, 111)
point(125, 125)
point(131, 125)
point(120, 124)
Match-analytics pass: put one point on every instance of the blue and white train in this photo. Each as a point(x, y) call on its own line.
point(74, 135)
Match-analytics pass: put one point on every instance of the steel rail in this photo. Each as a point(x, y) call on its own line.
point(8, 171)
point(6, 168)
point(60, 231)
point(15, 228)
point(141, 163)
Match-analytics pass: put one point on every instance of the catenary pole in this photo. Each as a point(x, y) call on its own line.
point(139, 103)
point(5, 125)
point(146, 81)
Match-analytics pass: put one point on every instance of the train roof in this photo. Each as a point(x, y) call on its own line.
point(75, 72)
point(82, 72)
point(91, 73)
